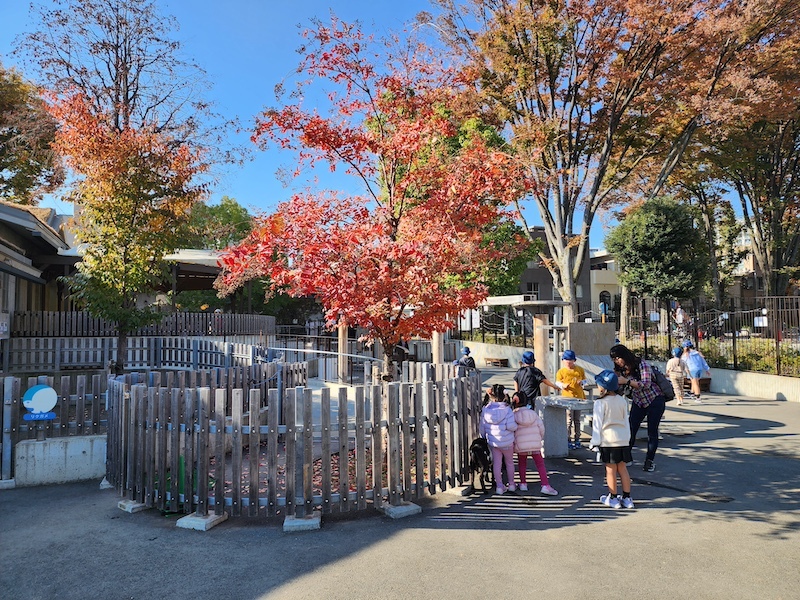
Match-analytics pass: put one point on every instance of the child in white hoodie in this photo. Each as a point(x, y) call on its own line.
point(528, 439)
point(611, 432)
point(498, 426)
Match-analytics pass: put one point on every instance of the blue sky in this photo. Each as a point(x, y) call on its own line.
point(246, 47)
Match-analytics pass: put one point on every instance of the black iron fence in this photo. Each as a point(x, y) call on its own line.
point(750, 334)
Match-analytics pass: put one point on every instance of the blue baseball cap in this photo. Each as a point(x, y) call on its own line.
point(676, 352)
point(607, 380)
point(527, 357)
point(569, 355)
point(688, 344)
point(465, 350)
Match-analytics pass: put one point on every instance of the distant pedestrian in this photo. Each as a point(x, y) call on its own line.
point(610, 435)
point(466, 363)
point(696, 365)
point(676, 371)
point(528, 378)
point(647, 400)
point(498, 426)
point(528, 439)
point(574, 379)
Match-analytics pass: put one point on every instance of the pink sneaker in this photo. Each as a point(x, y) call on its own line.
point(500, 489)
point(523, 487)
point(548, 490)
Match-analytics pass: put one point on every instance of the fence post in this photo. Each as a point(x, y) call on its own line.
point(195, 354)
point(735, 332)
point(8, 429)
point(57, 360)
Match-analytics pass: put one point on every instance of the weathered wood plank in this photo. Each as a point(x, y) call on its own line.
point(325, 443)
point(237, 401)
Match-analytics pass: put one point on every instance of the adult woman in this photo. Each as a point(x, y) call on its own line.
point(696, 365)
point(647, 400)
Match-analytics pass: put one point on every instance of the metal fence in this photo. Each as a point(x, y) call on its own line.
point(762, 334)
point(751, 334)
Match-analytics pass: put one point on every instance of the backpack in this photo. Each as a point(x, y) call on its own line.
point(664, 384)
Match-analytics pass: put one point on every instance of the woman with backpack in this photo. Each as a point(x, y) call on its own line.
point(647, 399)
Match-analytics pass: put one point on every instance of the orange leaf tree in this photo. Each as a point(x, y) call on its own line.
point(410, 251)
point(135, 188)
point(609, 93)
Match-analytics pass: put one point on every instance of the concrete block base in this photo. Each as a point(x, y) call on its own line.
point(60, 460)
point(312, 523)
point(406, 509)
point(131, 506)
point(201, 523)
point(8, 484)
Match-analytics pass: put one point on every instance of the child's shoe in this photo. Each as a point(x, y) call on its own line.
point(626, 502)
point(500, 490)
point(523, 487)
point(610, 501)
point(549, 491)
point(511, 487)
point(571, 445)
point(577, 445)
point(648, 466)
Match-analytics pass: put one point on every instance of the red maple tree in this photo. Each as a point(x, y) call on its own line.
point(410, 252)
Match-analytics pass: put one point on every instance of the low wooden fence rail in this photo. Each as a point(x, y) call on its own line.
point(195, 450)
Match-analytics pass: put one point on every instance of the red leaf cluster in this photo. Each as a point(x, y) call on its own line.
point(405, 257)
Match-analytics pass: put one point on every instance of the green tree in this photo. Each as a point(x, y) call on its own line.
point(504, 275)
point(659, 250)
point(28, 165)
point(217, 226)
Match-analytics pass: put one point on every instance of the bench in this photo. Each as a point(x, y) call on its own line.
point(496, 362)
point(705, 384)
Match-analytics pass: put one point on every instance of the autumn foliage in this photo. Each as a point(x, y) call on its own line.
point(407, 254)
point(133, 189)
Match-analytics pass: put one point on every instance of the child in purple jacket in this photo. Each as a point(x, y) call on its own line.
point(498, 426)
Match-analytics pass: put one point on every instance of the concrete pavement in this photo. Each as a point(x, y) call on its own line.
point(719, 518)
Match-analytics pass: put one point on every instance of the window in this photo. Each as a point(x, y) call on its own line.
point(532, 289)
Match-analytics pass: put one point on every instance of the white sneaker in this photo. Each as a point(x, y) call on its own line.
point(500, 489)
point(627, 502)
point(523, 487)
point(511, 487)
point(549, 491)
point(610, 501)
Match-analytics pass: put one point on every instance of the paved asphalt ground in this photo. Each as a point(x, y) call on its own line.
point(719, 518)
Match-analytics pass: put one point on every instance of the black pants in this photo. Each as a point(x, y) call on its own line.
point(653, 414)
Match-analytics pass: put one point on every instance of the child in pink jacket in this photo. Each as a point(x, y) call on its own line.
point(528, 440)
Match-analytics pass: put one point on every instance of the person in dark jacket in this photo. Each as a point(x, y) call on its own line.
point(528, 378)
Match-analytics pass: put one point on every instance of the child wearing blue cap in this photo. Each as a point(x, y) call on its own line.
point(611, 434)
point(573, 379)
point(528, 378)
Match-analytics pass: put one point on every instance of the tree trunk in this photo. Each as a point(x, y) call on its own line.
point(122, 352)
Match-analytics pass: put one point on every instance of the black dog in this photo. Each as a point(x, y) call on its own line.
point(480, 464)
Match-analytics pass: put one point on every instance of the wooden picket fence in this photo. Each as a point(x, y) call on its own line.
point(200, 450)
point(82, 324)
point(80, 410)
point(24, 355)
